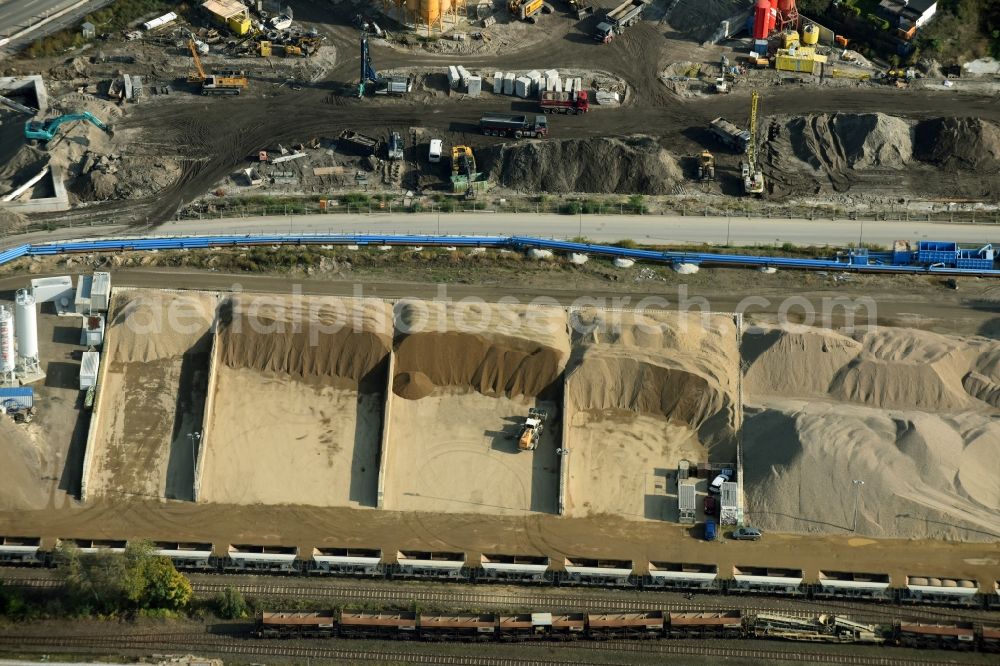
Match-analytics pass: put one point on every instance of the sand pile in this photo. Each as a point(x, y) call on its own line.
point(645, 383)
point(491, 348)
point(148, 325)
point(961, 143)
point(306, 337)
point(22, 487)
point(679, 367)
point(833, 142)
point(887, 367)
point(115, 176)
point(608, 165)
point(926, 475)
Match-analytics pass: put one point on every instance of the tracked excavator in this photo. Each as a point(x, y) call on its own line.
point(38, 131)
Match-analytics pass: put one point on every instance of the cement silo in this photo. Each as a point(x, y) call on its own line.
point(26, 330)
point(7, 359)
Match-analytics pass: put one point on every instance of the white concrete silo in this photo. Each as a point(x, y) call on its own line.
point(26, 333)
point(7, 359)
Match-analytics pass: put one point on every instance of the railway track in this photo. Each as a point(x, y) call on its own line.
point(205, 645)
point(482, 598)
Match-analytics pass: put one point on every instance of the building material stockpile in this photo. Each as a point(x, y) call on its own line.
point(308, 338)
point(643, 392)
point(497, 350)
point(626, 165)
point(153, 325)
point(910, 413)
point(151, 399)
point(23, 488)
point(299, 394)
point(839, 151)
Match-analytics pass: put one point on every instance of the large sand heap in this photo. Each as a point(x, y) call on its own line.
point(926, 475)
point(602, 164)
point(681, 367)
point(886, 367)
point(495, 349)
point(833, 142)
point(305, 337)
point(153, 325)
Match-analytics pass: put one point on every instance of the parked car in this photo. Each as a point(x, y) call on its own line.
point(746, 534)
point(716, 485)
point(710, 505)
point(710, 530)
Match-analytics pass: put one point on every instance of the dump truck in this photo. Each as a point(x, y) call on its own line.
point(564, 102)
point(619, 18)
point(495, 124)
point(531, 431)
point(394, 148)
point(731, 135)
point(357, 143)
point(528, 10)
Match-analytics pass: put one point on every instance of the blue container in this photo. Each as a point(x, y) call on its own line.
point(20, 397)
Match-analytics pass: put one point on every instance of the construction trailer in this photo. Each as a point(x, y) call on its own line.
point(231, 13)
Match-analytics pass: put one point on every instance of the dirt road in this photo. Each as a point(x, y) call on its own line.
point(212, 136)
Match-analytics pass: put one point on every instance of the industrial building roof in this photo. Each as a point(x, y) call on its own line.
point(224, 8)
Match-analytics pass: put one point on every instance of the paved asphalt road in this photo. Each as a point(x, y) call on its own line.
point(16, 15)
point(648, 229)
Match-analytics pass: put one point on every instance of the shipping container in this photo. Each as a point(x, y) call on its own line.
point(88, 370)
point(18, 397)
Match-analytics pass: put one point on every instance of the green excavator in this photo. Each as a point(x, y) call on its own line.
point(38, 131)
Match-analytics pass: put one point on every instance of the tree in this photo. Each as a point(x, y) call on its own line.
point(231, 605)
point(165, 586)
point(92, 578)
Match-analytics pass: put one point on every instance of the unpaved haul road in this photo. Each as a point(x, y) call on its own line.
point(647, 229)
point(211, 137)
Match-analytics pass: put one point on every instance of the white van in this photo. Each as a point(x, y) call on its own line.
point(434, 154)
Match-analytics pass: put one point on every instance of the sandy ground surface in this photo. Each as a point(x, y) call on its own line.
point(456, 452)
point(152, 398)
point(624, 466)
point(275, 440)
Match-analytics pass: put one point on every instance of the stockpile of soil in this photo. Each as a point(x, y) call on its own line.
point(115, 176)
point(885, 368)
point(838, 141)
point(699, 19)
point(609, 165)
point(152, 325)
point(497, 350)
point(22, 487)
point(305, 337)
point(926, 475)
point(960, 143)
point(679, 367)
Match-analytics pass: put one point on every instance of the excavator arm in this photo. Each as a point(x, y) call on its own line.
point(197, 60)
point(35, 130)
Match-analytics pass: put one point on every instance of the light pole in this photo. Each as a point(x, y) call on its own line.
point(857, 493)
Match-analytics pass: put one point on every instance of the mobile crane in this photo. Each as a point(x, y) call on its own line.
point(227, 83)
point(753, 179)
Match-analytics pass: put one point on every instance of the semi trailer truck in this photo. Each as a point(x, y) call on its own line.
point(516, 126)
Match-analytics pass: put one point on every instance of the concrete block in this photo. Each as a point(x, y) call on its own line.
point(557, 85)
point(508, 83)
point(453, 77)
point(497, 83)
point(522, 87)
point(536, 84)
point(464, 76)
point(475, 86)
point(578, 84)
point(552, 73)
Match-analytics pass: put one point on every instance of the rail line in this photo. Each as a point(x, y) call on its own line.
point(200, 643)
point(397, 596)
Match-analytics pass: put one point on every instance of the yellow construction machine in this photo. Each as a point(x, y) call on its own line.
point(226, 83)
point(753, 179)
point(706, 166)
point(531, 431)
point(526, 10)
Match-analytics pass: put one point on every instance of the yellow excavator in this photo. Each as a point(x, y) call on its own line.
point(531, 431)
point(526, 10)
point(227, 83)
